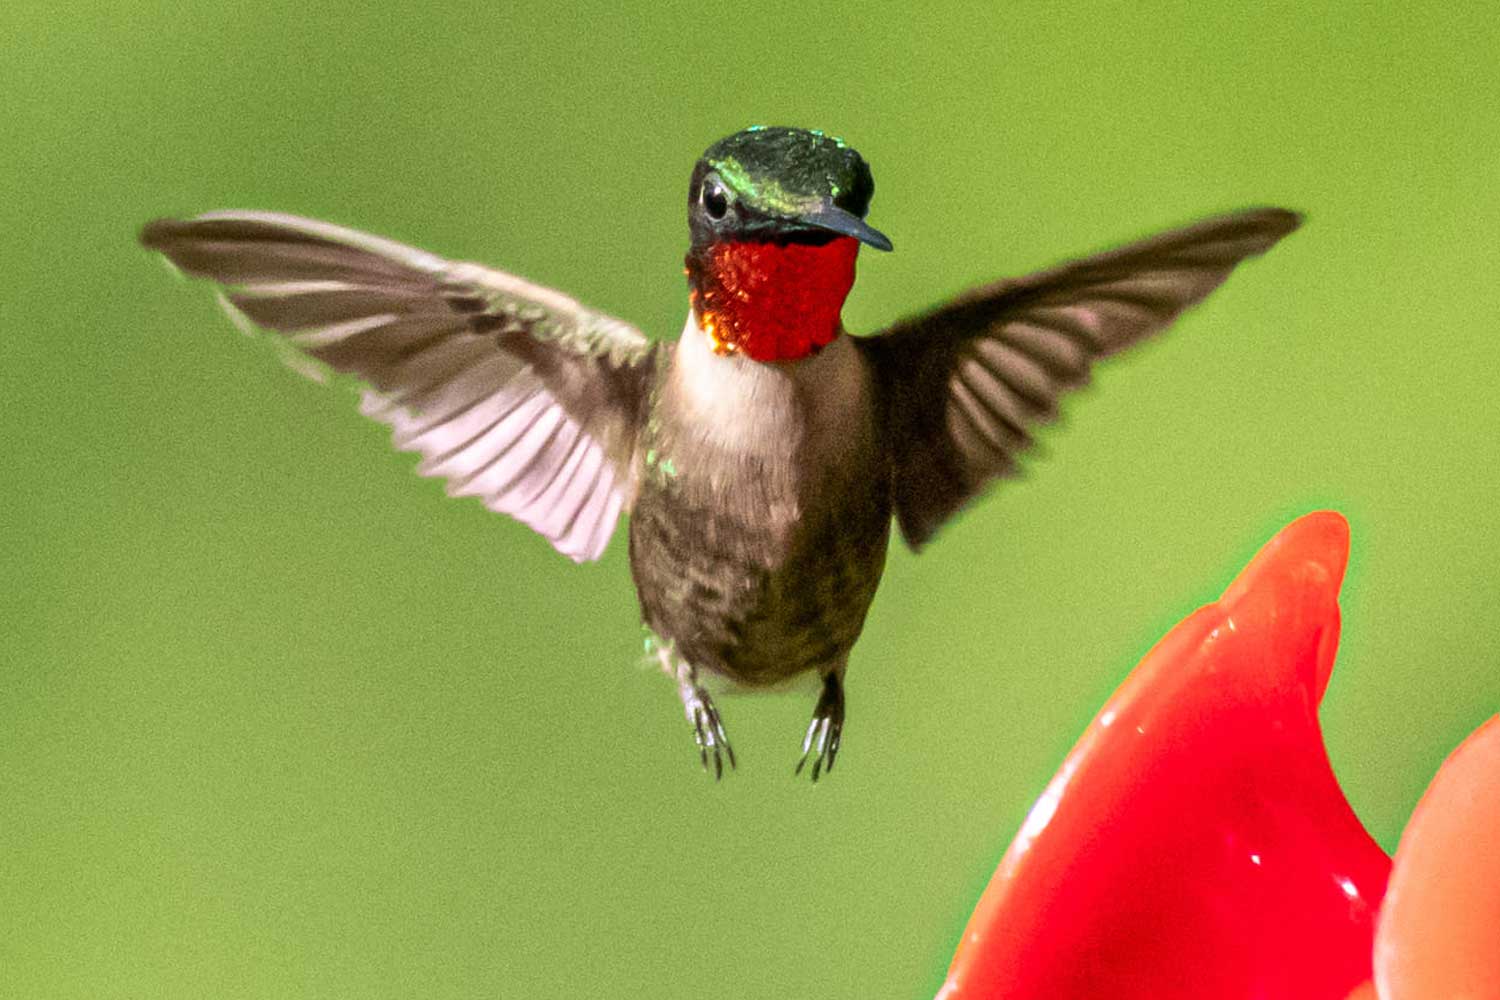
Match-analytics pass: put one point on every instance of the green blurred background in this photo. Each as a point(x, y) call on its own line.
point(280, 721)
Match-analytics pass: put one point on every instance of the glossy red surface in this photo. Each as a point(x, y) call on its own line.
point(1195, 842)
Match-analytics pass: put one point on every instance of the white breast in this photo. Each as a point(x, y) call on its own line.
point(811, 409)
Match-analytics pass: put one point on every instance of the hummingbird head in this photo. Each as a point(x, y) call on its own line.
point(776, 216)
point(782, 185)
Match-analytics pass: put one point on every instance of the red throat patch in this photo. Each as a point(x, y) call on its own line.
point(772, 301)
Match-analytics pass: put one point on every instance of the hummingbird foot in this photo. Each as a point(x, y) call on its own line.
point(702, 714)
point(708, 728)
point(826, 729)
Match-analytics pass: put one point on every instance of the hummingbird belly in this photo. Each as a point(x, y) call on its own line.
point(758, 534)
point(739, 598)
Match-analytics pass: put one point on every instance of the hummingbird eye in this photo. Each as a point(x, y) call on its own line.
point(715, 199)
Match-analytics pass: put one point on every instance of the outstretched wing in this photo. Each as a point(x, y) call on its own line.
point(962, 385)
point(511, 392)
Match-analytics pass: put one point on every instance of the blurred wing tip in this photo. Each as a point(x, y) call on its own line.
point(162, 233)
point(166, 234)
point(1294, 217)
point(1276, 222)
point(237, 316)
point(171, 267)
point(158, 234)
point(308, 368)
point(582, 554)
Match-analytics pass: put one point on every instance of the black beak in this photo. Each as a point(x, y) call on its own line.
point(836, 220)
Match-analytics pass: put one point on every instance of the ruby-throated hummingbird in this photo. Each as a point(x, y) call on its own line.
point(762, 455)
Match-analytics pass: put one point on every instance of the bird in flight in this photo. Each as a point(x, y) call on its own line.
point(762, 455)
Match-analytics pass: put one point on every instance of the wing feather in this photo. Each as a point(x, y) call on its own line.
point(962, 384)
point(1003, 413)
point(512, 392)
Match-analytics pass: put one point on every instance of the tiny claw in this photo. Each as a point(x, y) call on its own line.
point(825, 731)
point(708, 731)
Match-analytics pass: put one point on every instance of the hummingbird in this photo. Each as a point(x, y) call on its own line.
point(762, 455)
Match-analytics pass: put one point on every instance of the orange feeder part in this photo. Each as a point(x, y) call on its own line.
point(1439, 931)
